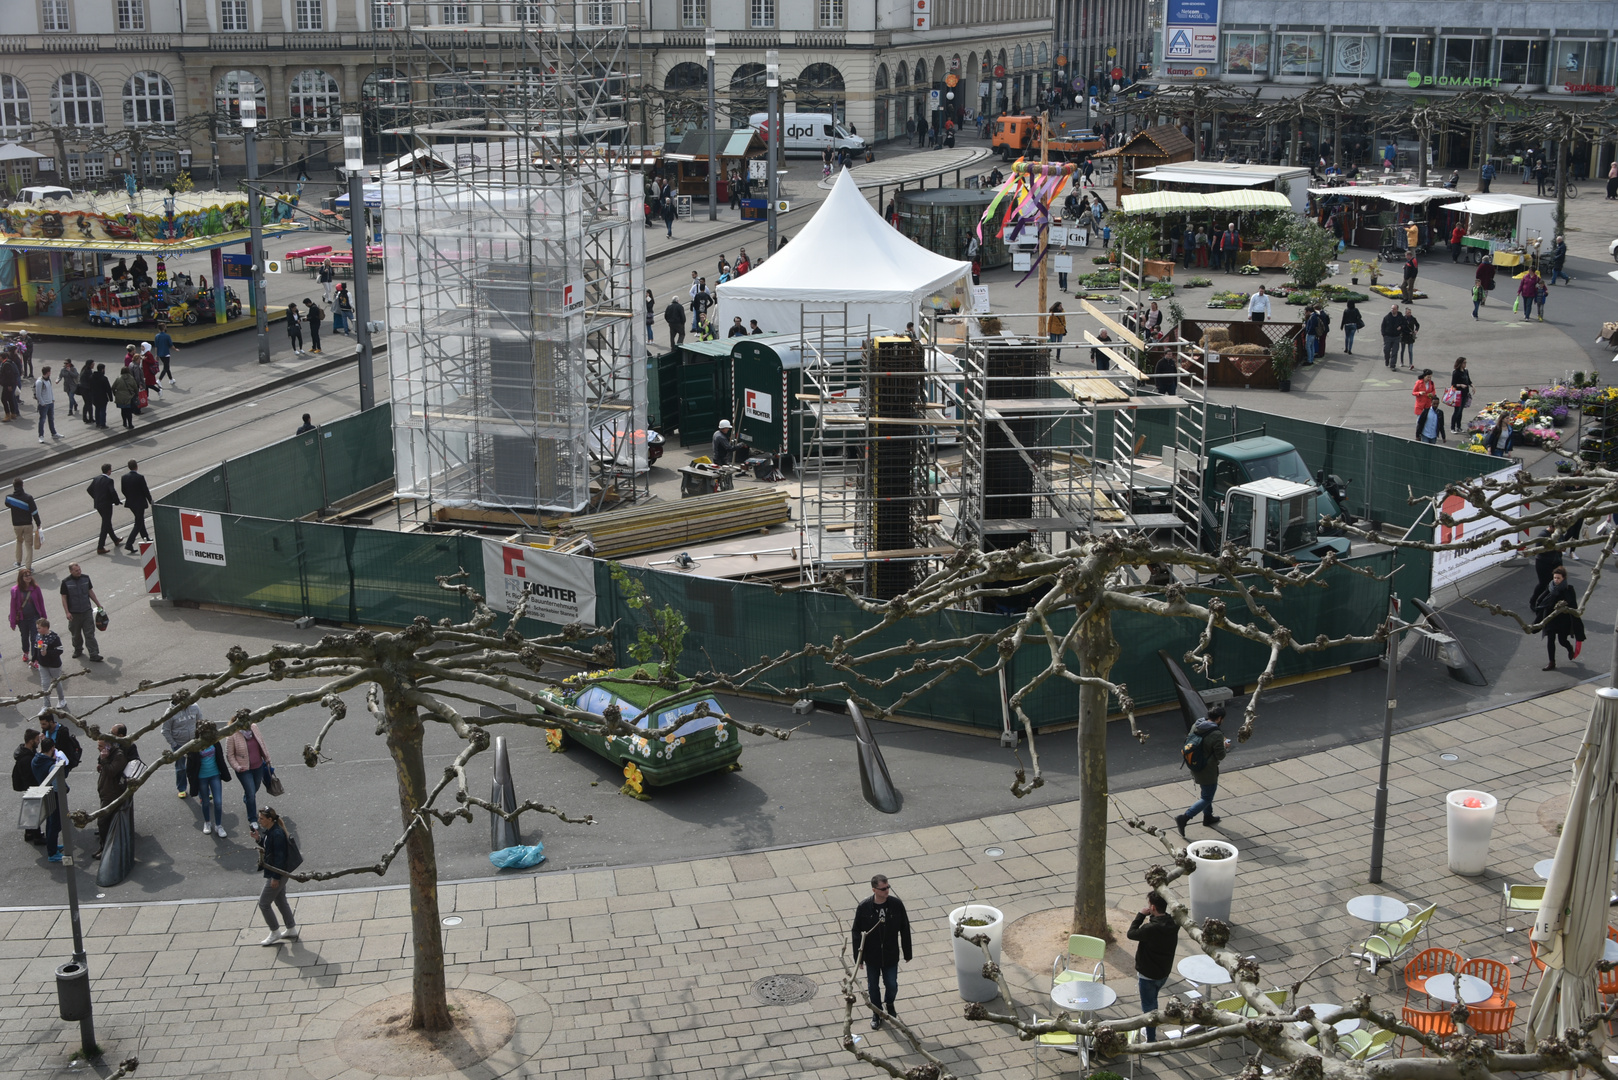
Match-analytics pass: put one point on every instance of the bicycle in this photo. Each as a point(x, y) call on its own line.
point(1568, 187)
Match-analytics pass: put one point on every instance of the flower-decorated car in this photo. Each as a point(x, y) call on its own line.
point(681, 731)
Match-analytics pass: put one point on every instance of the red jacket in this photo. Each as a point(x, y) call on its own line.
point(1425, 393)
point(151, 367)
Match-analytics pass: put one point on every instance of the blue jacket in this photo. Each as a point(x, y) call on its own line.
point(275, 849)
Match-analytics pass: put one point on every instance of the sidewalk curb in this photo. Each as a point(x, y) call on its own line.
point(721, 234)
point(192, 412)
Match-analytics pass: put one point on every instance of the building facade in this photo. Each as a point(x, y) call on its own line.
point(1540, 51)
point(1103, 42)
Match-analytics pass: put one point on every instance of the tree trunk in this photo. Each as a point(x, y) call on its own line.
point(1421, 155)
point(429, 1008)
point(1098, 651)
point(1561, 187)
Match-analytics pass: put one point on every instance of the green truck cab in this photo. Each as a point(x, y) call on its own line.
point(1258, 493)
point(673, 743)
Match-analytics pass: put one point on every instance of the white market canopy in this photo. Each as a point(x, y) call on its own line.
point(1212, 179)
point(846, 254)
point(1404, 196)
point(1497, 204)
point(1174, 202)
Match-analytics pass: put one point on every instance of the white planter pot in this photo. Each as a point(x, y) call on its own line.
point(1470, 828)
point(969, 957)
point(1214, 881)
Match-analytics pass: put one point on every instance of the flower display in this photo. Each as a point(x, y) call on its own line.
point(553, 739)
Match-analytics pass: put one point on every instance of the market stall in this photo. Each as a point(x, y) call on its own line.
point(690, 162)
point(1214, 211)
point(1360, 213)
point(1209, 177)
point(1507, 228)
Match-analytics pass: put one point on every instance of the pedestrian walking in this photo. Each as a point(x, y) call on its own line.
point(64, 740)
point(342, 314)
point(1479, 295)
point(45, 402)
point(1498, 440)
point(1612, 180)
point(326, 278)
point(1424, 391)
point(247, 755)
point(279, 855)
point(104, 495)
point(1560, 626)
point(148, 374)
point(163, 346)
point(1546, 563)
point(45, 758)
point(1559, 262)
point(668, 214)
point(69, 378)
point(1527, 289)
point(701, 300)
point(1459, 394)
point(295, 329)
point(1056, 324)
point(208, 772)
point(881, 934)
point(1392, 331)
point(1166, 375)
point(1407, 336)
point(674, 316)
point(1485, 177)
point(1484, 276)
point(1230, 243)
point(22, 775)
point(1158, 936)
point(1456, 235)
point(25, 353)
point(126, 395)
point(307, 425)
point(10, 381)
point(179, 729)
point(27, 608)
point(1188, 245)
point(112, 762)
point(137, 497)
point(1541, 174)
point(1429, 424)
point(1542, 292)
point(80, 603)
point(314, 318)
point(1258, 305)
point(651, 317)
point(45, 656)
point(25, 523)
point(1204, 749)
point(1353, 320)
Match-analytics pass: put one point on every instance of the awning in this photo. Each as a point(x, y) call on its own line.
point(1216, 179)
point(1482, 204)
point(1173, 202)
point(1403, 195)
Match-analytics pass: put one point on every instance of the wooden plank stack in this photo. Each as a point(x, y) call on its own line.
point(661, 525)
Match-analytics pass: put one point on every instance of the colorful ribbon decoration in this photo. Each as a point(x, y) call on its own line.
point(1028, 194)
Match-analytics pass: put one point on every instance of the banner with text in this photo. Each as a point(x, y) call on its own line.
point(1452, 566)
point(561, 588)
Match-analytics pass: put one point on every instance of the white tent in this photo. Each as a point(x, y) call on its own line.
point(845, 254)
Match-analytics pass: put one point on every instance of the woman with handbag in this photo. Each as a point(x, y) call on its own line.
point(247, 754)
point(278, 851)
point(1459, 394)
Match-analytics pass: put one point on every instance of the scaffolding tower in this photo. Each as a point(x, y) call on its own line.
point(514, 256)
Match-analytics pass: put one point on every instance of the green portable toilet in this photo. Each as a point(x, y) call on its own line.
point(766, 377)
point(704, 379)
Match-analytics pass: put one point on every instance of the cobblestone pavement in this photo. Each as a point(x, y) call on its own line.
point(647, 971)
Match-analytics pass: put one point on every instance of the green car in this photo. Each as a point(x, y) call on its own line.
point(675, 745)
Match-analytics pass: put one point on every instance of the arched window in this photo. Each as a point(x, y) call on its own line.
point(901, 76)
point(16, 115)
point(687, 86)
point(921, 73)
point(148, 100)
point(882, 76)
point(76, 101)
point(229, 91)
point(315, 101)
point(1016, 57)
point(820, 89)
point(385, 88)
point(747, 92)
point(1044, 55)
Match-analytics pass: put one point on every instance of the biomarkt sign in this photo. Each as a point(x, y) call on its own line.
point(1416, 80)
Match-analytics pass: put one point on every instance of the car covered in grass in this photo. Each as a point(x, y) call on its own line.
point(682, 731)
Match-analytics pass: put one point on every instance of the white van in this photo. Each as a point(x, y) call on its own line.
point(43, 192)
point(807, 134)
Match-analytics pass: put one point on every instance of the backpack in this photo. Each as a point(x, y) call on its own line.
point(1195, 750)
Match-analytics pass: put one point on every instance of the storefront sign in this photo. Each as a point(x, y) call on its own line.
point(1415, 80)
point(1587, 88)
point(1193, 12)
point(1190, 43)
point(561, 588)
point(1198, 72)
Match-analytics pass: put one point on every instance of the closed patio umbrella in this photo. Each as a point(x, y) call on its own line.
point(1572, 923)
point(14, 152)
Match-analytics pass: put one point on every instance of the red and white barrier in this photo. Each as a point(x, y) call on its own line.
point(148, 555)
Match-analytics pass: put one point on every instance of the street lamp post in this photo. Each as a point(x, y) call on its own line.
point(713, 151)
point(354, 162)
point(1379, 823)
point(255, 225)
point(772, 82)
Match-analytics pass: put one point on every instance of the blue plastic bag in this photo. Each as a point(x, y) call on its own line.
point(519, 857)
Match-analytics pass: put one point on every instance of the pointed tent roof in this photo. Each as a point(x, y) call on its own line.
point(1164, 141)
point(847, 252)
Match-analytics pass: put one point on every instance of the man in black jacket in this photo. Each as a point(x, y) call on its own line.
point(100, 393)
point(63, 740)
point(104, 494)
point(22, 775)
point(881, 933)
point(24, 523)
point(674, 315)
point(1159, 936)
point(137, 496)
point(1393, 328)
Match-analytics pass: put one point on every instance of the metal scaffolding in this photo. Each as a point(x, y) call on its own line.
point(514, 257)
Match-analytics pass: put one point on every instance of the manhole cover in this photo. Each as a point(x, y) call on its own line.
point(783, 989)
point(1449, 757)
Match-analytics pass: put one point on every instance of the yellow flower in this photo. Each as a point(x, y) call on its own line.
point(553, 739)
point(633, 781)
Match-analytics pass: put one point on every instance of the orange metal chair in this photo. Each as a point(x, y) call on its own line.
point(1424, 965)
point(1607, 981)
point(1496, 1022)
point(1533, 962)
point(1428, 1023)
point(1496, 975)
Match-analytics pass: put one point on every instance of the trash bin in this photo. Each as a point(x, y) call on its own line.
point(969, 957)
point(1471, 823)
point(1214, 881)
point(73, 990)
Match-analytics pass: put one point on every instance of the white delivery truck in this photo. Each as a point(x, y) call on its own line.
point(807, 134)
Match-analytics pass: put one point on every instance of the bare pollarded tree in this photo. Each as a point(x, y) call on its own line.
point(426, 673)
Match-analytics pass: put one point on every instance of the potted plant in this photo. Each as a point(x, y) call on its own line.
point(1356, 267)
point(1214, 881)
point(1374, 269)
point(975, 920)
point(1283, 356)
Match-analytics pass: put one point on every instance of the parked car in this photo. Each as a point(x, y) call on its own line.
point(684, 731)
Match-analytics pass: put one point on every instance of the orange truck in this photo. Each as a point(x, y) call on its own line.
point(1018, 136)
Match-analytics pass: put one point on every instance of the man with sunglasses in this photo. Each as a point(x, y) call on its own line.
point(881, 934)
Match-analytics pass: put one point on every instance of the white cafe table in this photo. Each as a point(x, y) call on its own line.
point(1473, 989)
point(1378, 909)
point(1083, 996)
point(1203, 970)
point(1543, 868)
